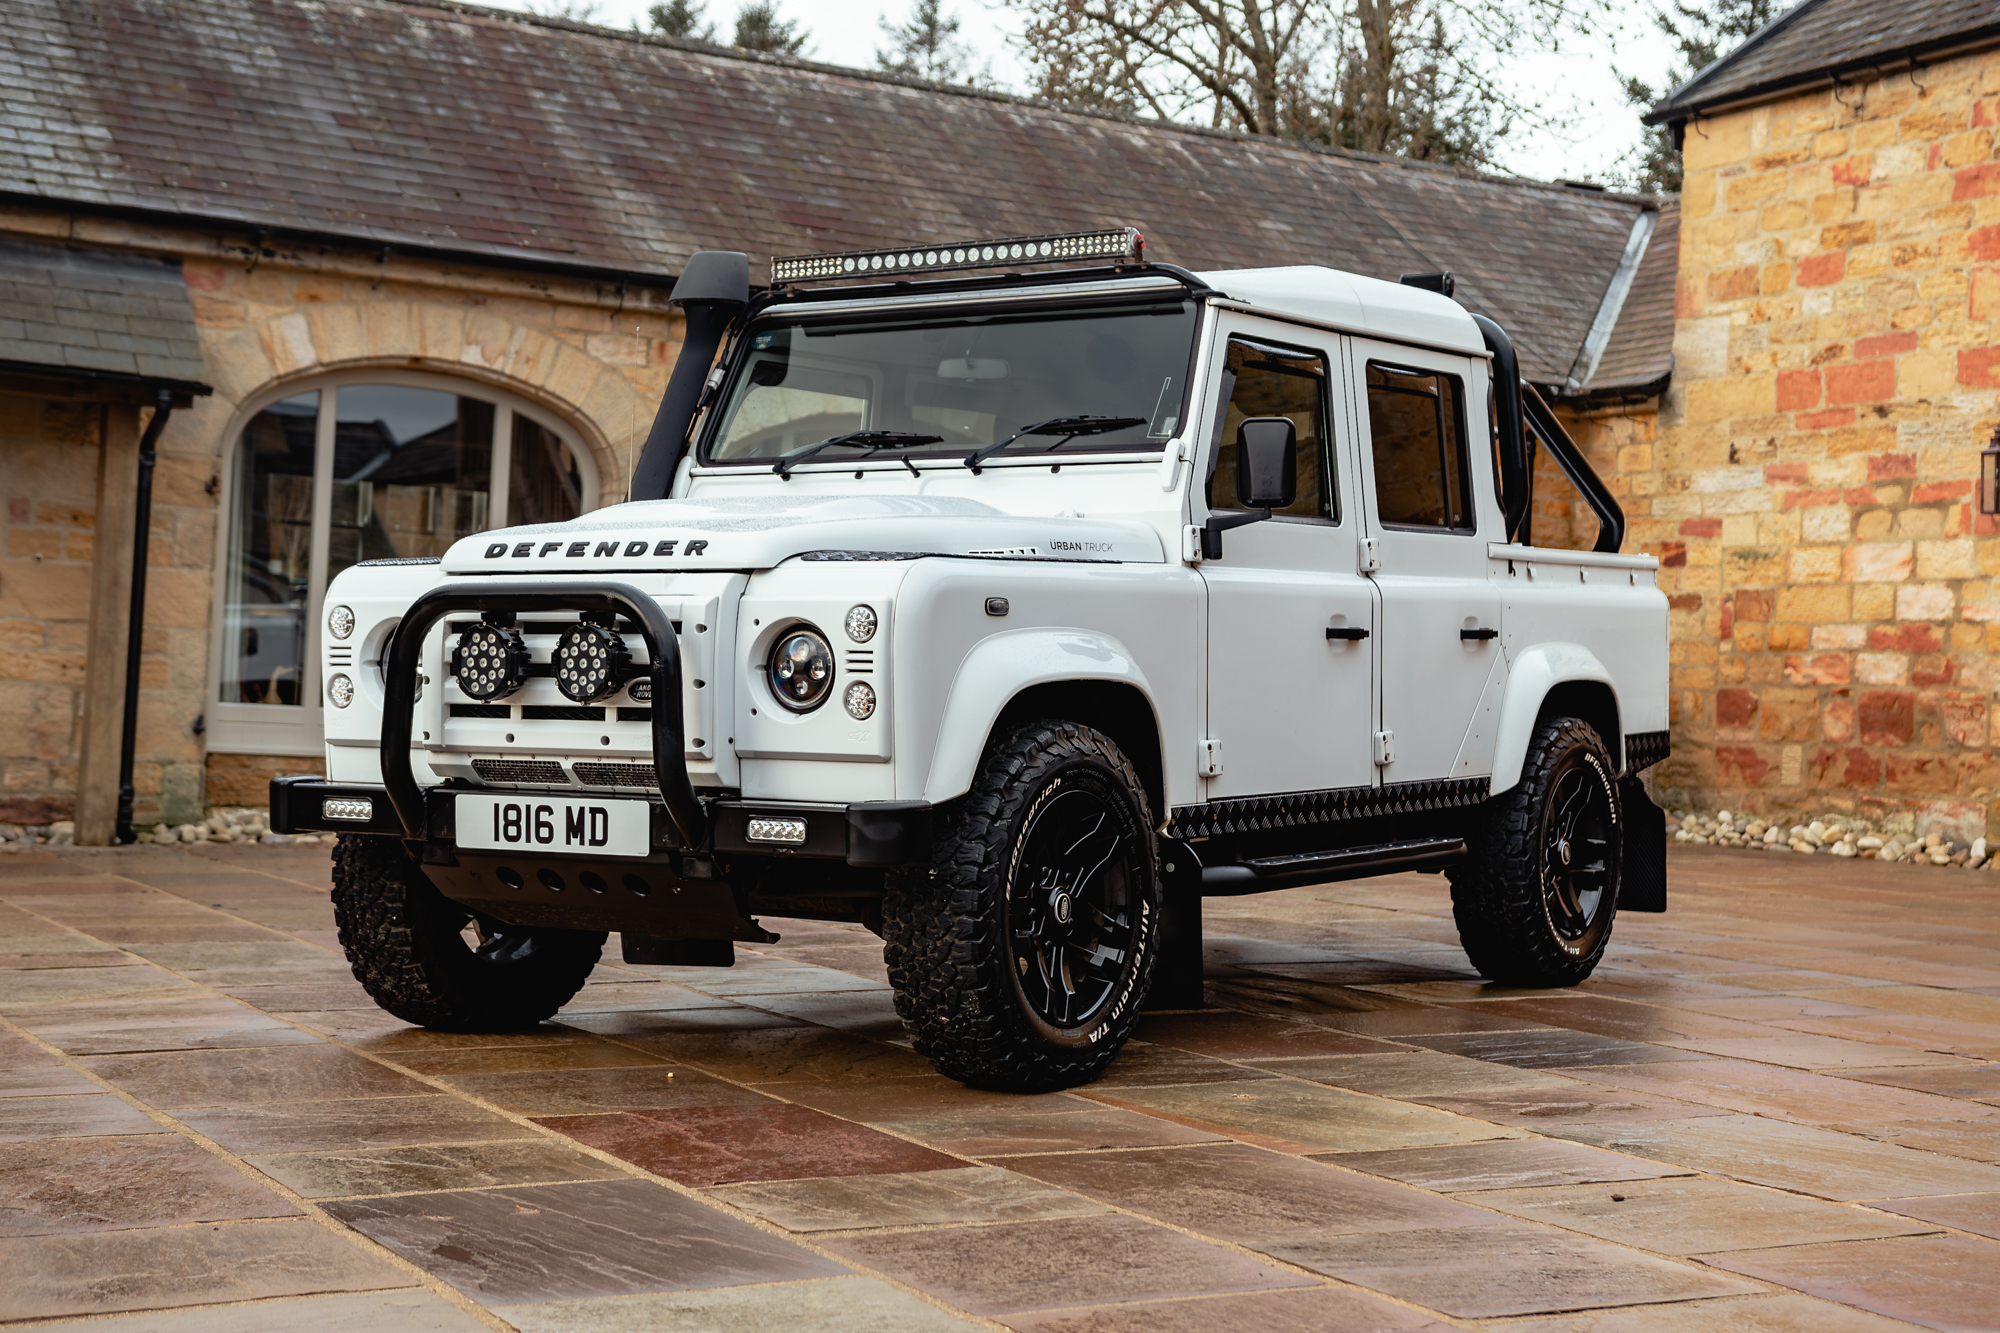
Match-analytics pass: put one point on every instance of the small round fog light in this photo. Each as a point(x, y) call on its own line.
point(860, 700)
point(340, 622)
point(340, 689)
point(861, 624)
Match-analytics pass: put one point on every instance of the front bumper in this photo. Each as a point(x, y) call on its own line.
point(869, 835)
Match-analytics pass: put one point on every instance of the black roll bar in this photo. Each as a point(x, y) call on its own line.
point(1514, 468)
point(1610, 518)
point(405, 660)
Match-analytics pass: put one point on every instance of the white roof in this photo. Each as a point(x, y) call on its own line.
point(1351, 302)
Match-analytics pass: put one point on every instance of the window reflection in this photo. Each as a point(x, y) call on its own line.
point(267, 578)
point(412, 470)
point(544, 480)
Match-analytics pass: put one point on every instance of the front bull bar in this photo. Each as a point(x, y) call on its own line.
point(405, 663)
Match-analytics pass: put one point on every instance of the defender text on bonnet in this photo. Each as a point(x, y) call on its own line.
point(1009, 616)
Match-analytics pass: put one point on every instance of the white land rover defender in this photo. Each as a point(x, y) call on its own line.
point(1008, 615)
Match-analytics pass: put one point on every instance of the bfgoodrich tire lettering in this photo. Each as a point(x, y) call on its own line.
point(406, 945)
point(1021, 955)
point(1536, 897)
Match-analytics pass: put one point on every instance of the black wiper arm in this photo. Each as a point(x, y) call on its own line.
point(1067, 427)
point(859, 439)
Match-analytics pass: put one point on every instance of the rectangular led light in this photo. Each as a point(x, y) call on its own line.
point(790, 832)
point(358, 809)
point(1118, 244)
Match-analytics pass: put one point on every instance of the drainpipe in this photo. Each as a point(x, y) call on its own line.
point(163, 407)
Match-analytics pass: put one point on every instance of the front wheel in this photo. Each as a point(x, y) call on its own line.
point(408, 945)
point(1020, 956)
point(1534, 900)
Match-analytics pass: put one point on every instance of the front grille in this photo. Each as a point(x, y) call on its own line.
point(520, 770)
point(616, 775)
point(635, 715)
point(481, 710)
point(560, 713)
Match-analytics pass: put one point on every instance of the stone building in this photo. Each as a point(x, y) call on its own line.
point(1836, 372)
point(419, 253)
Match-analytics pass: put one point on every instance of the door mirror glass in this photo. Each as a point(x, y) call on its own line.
point(1267, 463)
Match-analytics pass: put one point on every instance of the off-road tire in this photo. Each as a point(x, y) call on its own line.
point(1508, 894)
point(406, 945)
point(962, 991)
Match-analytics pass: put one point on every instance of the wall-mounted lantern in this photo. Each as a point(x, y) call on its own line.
point(1989, 475)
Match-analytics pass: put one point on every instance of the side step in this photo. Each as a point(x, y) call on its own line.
point(1266, 873)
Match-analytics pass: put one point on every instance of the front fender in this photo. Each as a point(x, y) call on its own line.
point(1530, 677)
point(999, 667)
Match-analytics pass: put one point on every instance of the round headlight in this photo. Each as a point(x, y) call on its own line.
point(490, 661)
point(591, 662)
point(860, 700)
point(802, 670)
point(340, 622)
point(340, 689)
point(861, 624)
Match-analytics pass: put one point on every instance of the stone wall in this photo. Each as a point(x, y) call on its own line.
point(1836, 373)
point(595, 356)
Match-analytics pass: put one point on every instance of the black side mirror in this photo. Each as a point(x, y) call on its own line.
point(1267, 463)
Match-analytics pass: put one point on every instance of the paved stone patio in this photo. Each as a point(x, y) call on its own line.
point(1775, 1108)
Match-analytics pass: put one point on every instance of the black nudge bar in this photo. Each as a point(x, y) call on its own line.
point(405, 661)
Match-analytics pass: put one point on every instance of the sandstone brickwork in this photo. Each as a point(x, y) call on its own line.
point(1837, 369)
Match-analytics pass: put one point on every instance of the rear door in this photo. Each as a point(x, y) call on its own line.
point(1430, 513)
point(1290, 707)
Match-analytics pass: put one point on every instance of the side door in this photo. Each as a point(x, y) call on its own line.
point(1430, 513)
point(1291, 707)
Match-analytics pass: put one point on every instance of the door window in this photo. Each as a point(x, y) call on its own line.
point(360, 469)
point(1262, 380)
point(1416, 424)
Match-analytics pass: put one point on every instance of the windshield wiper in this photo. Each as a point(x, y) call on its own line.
point(860, 439)
point(1067, 427)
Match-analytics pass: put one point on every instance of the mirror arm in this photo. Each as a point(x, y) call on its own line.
point(1211, 531)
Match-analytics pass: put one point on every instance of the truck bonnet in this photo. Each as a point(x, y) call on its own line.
point(759, 532)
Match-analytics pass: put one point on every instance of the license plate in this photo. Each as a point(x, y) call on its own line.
point(552, 824)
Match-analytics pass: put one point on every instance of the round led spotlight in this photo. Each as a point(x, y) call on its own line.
point(490, 662)
point(591, 662)
point(340, 622)
point(860, 700)
point(861, 624)
point(802, 670)
point(340, 689)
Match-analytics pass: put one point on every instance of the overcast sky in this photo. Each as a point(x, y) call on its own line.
point(1581, 84)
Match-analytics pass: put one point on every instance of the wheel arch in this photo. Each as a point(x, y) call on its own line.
point(1551, 680)
point(1078, 675)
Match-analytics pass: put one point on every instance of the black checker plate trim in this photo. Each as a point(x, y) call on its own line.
point(1300, 809)
point(1643, 749)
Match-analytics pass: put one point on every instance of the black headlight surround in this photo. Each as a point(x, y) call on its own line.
point(800, 670)
point(591, 662)
point(490, 662)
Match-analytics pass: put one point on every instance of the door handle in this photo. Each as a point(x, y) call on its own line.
point(1479, 633)
point(1350, 633)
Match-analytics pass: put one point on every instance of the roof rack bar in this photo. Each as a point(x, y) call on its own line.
point(1120, 244)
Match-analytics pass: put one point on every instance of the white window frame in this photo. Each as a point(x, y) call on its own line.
point(235, 728)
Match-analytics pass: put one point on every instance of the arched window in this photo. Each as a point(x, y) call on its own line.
point(360, 465)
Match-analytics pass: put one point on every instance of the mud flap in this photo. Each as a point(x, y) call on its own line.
point(1643, 882)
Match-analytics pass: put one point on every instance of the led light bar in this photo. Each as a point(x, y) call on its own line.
point(1119, 244)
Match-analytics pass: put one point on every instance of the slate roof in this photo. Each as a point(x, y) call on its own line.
point(75, 311)
point(1821, 39)
point(466, 131)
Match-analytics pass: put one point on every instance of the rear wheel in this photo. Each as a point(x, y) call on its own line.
point(431, 962)
point(1535, 899)
point(1019, 958)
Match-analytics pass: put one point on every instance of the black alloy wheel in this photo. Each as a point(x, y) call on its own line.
point(1070, 912)
point(1021, 954)
point(1536, 895)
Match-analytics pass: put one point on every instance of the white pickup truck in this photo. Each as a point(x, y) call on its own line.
point(1009, 615)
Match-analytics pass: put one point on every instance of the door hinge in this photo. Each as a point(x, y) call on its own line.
point(1371, 556)
point(1191, 544)
point(1385, 748)
point(1208, 757)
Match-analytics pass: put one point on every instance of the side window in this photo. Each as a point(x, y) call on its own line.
point(1416, 421)
point(1260, 380)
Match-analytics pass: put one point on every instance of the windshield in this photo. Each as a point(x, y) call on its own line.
point(971, 380)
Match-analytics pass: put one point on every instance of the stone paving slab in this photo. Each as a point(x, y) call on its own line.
point(1768, 1111)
